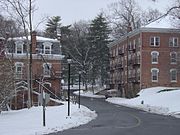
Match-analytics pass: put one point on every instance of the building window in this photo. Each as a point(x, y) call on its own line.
point(130, 46)
point(173, 57)
point(47, 47)
point(155, 41)
point(47, 69)
point(154, 57)
point(173, 42)
point(18, 70)
point(19, 47)
point(173, 75)
point(154, 74)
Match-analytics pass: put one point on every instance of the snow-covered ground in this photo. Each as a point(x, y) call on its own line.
point(88, 94)
point(159, 100)
point(29, 121)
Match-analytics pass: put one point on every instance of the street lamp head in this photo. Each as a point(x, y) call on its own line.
point(69, 60)
point(80, 72)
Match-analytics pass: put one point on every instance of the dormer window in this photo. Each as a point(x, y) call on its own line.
point(19, 47)
point(47, 47)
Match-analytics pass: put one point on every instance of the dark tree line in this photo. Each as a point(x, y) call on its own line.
point(86, 43)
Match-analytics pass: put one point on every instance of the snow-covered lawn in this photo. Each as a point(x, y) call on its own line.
point(29, 121)
point(159, 100)
point(88, 94)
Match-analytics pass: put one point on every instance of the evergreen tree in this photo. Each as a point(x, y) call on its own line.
point(52, 26)
point(99, 39)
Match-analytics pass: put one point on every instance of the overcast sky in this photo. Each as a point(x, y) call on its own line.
point(70, 10)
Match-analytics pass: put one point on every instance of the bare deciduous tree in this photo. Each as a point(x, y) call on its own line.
point(6, 82)
point(21, 11)
point(76, 45)
point(124, 16)
point(127, 15)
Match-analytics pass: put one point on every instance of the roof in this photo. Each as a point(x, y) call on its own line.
point(165, 24)
point(39, 38)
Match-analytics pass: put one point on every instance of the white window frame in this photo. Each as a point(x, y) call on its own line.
point(45, 46)
point(19, 44)
point(154, 38)
point(153, 57)
point(173, 60)
point(19, 73)
point(171, 75)
point(172, 42)
point(47, 72)
point(152, 75)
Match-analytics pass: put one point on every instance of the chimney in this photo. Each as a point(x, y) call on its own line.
point(34, 41)
point(129, 29)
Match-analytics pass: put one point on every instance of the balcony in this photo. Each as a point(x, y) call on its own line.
point(36, 56)
point(112, 69)
point(111, 81)
point(112, 56)
point(134, 79)
point(136, 62)
point(119, 66)
point(120, 52)
point(132, 50)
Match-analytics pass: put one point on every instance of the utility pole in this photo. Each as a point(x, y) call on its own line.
point(30, 51)
point(126, 91)
point(79, 88)
point(44, 108)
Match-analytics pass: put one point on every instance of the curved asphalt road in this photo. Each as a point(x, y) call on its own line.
point(118, 120)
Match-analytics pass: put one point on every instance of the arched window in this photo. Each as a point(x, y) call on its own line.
point(154, 74)
point(173, 75)
point(47, 46)
point(154, 57)
point(173, 57)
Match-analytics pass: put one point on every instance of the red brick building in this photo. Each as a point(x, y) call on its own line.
point(145, 57)
point(46, 68)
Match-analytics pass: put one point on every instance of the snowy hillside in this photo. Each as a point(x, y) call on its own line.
point(161, 100)
point(29, 121)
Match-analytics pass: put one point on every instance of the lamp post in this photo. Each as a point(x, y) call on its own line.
point(79, 86)
point(69, 60)
point(58, 34)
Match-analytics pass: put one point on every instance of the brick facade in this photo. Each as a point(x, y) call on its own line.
point(46, 68)
point(131, 64)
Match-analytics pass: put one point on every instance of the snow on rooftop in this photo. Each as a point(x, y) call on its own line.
point(46, 39)
point(39, 38)
point(164, 22)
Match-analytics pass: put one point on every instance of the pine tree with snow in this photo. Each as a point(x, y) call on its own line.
point(99, 39)
point(52, 26)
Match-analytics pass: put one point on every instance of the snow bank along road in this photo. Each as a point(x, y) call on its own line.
point(117, 120)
